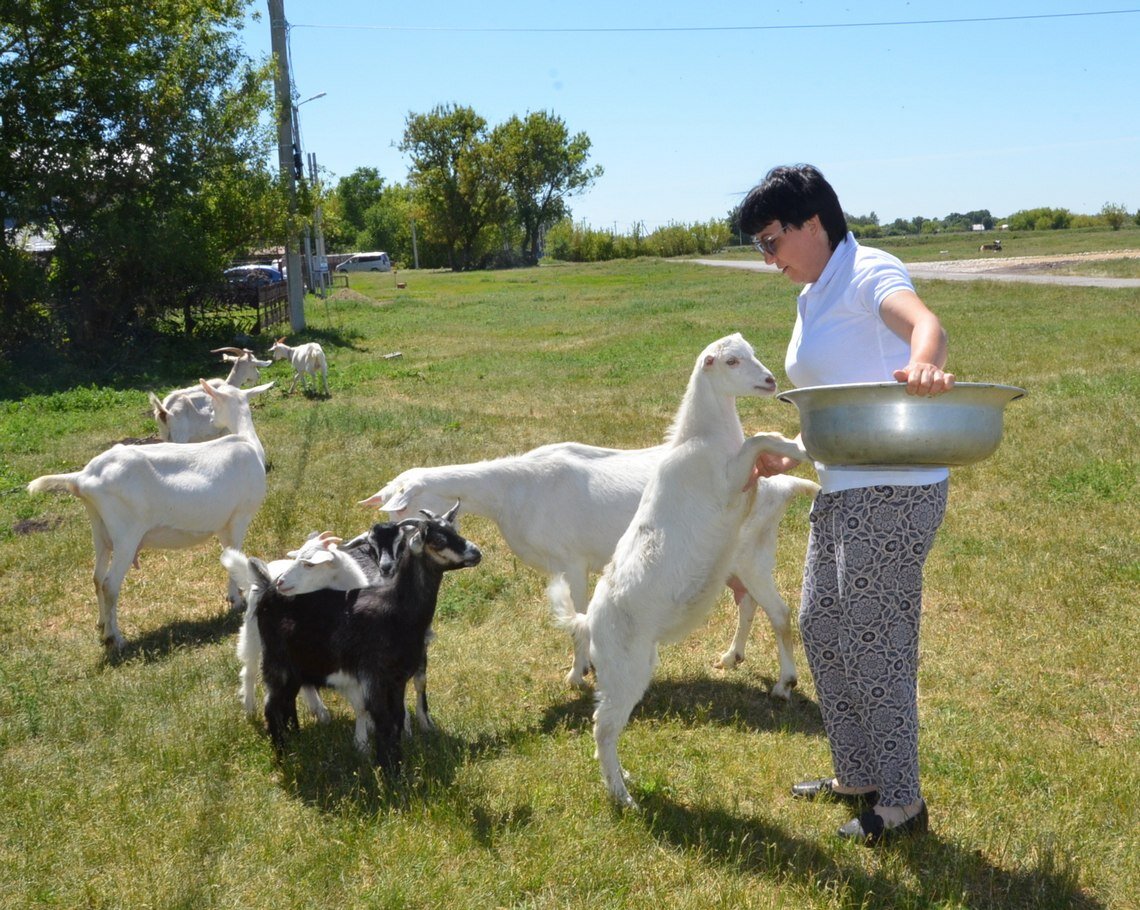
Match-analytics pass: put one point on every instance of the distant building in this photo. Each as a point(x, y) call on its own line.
point(977, 227)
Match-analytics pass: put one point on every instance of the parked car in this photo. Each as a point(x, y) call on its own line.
point(366, 262)
point(252, 275)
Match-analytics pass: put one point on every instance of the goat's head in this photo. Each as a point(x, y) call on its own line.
point(436, 539)
point(244, 365)
point(316, 565)
point(230, 402)
point(406, 495)
point(278, 350)
point(730, 365)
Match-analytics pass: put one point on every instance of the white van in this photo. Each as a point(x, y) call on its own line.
point(366, 262)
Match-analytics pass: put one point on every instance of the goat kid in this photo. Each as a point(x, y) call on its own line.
point(186, 415)
point(324, 562)
point(672, 560)
point(168, 496)
point(561, 509)
point(306, 359)
point(367, 642)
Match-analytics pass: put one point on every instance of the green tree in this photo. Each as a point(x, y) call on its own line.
point(542, 165)
point(458, 190)
point(356, 194)
point(1114, 215)
point(131, 135)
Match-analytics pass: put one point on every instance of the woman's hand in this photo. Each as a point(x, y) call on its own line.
point(768, 464)
point(924, 379)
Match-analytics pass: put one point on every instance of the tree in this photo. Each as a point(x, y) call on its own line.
point(1114, 215)
point(457, 186)
point(131, 135)
point(357, 193)
point(542, 165)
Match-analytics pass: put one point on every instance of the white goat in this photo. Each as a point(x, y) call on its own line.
point(561, 509)
point(674, 557)
point(184, 415)
point(168, 496)
point(306, 360)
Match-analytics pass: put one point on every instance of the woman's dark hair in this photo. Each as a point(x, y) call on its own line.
point(792, 195)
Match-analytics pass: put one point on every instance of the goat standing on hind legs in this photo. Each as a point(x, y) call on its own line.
point(672, 561)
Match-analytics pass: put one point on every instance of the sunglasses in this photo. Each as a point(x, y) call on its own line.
point(767, 245)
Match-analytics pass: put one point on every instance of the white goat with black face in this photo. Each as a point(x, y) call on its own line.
point(673, 559)
point(168, 496)
point(185, 415)
point(306, 359)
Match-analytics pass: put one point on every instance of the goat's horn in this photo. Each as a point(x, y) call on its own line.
point(237, 351)
point(451, 513)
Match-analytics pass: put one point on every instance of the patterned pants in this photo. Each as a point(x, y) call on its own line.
point(859, 620)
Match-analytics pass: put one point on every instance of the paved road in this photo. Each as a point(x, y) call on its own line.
point(943, 272)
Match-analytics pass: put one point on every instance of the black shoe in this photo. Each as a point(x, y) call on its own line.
point(872, 830)
point(825, 789)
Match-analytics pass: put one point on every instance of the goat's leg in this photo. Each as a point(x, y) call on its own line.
point(249, 653)
point(419, 683)
point(316, 707)
point(579, 581)
point(763, 591)
point(101, 539)
point(740, 467)
point(623, 674)
point(386, 707)
point(365, 725)
point(108, 588)
point(281, 709)
point(745, 613)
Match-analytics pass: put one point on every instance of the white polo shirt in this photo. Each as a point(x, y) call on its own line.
point(840, 337)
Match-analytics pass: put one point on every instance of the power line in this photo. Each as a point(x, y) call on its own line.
point(893, 23)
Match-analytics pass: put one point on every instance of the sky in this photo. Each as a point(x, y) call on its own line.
point(925, 107)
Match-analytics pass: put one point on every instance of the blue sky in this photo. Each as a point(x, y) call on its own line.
point(687, 107)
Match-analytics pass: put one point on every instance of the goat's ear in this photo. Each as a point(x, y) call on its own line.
point(258, 389)
point(209, 389)
point(709, 361)
point(160, 413)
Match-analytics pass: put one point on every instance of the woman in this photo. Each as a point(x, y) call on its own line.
point(858, 320)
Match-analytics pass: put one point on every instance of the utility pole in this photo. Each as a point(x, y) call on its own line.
point(287, 158)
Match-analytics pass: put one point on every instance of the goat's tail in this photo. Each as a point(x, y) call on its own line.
point(566, 617)
point(64, 483)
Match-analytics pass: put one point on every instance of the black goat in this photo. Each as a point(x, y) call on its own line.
point(367, 643)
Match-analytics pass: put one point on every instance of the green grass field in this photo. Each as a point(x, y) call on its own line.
point(138, 783)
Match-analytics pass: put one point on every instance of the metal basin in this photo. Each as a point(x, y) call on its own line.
point(878, 423)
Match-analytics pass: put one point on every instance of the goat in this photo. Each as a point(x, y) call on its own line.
point(672, 560)
point(995, 246)
point(561, 509)
point(306, 359)
point(168, 496)
point(367, 643)
point(367, 559)
point(184, 415)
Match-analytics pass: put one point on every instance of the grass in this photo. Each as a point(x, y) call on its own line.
point(136, 782)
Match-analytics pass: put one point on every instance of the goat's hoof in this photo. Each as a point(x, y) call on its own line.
point(783, 689)
point(728, 660)
point(575, 679)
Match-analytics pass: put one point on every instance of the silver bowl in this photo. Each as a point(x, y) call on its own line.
point(878, 423)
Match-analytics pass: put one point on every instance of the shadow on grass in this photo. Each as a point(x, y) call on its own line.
point(946, 874)
point(160, 643)
point(321, 766)
point(700, 700)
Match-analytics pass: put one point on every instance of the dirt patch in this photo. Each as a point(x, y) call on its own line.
point(999, 262)
point(35, 526)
